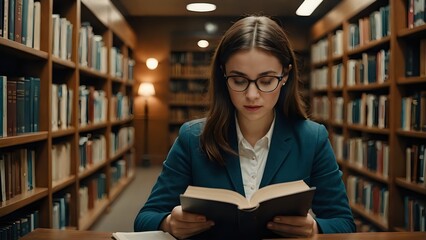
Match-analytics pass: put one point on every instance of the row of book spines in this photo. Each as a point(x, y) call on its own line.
point(122, 138)
point(179, 114)
point(92, 49)
point(61, 211)
point(190, 58)
point(370, 154)
point(92, 150)
point(179, 70)
point(118, 171)
point(415, 58)
point(416, 13)
point(62, 37)
point(370, 110)
point(61, 161)
point(372, 196)
point(121, 107)
point(17, 172)
point(371, 68)
point(20, 21)
point(92, 105)
point(415, 168)
point(62, 101)
point(370, 28)
point(413, 112)
point(19, 105)
point(187, 97)
point(188, 86)
point(91, 191)
point(19, 225)
point(414, 214)
point(320, 107)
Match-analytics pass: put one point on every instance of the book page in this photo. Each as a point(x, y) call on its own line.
point(217, 194)
point(278, 190)
point(157, 235)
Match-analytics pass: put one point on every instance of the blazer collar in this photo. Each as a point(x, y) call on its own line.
point(281, 144)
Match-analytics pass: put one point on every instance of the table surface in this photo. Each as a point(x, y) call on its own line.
point(55, 234)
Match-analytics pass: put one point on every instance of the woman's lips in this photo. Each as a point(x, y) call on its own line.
point(252, 108)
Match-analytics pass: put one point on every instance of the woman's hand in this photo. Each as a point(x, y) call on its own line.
point(292, 226)
point(183, 224)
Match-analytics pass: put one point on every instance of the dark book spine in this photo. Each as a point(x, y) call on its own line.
point(18, 20)
point(20, 108)
point(11, 19)
point(11, 107)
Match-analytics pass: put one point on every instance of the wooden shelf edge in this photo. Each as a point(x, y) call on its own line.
point(415, 187)
point(22, 200)
point(90, 169)
point(22, 49)
point(366, 172)
point(58, 185)
point(23, 139)
point(373, 218)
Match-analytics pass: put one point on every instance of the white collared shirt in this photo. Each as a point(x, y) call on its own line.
point(253, 159)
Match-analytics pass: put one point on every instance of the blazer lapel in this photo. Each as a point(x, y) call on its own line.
point(281, 144)
point(233, 162)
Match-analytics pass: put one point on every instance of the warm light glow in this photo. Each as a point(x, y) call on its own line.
point(210, 27)
point(152, 63)
point(146, 89)
point(203, 43)
point(200, 7)
point(308, 7)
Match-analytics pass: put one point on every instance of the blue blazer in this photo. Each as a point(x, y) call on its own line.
point(299, 150)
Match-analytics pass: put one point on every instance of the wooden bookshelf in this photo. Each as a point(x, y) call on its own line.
point(112, 83)
point(188, 87)
point(352, 137)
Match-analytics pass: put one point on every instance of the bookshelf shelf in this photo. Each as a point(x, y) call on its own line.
point(23, 200)
point(416, 187)
point(41, 163)
point(394, 101)
point(22, 139)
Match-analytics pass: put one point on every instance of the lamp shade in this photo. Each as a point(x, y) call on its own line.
point(146, 89)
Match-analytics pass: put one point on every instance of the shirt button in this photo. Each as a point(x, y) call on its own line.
point(254, 158)
point(253, 176)
point(252, 188)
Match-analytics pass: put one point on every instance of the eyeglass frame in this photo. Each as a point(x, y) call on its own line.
point(279, 77)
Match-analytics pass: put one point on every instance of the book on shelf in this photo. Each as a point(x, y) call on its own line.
point(233, 212)
point(158, 235)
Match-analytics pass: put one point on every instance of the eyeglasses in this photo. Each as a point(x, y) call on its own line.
point(240, 83)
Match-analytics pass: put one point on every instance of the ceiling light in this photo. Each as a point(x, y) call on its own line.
point(203, 43)
point(210, 27)
point(308, 7)
point(200, 7)
point(152, 63)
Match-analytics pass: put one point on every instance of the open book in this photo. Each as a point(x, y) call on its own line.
point(157, 235)
point(233, 212)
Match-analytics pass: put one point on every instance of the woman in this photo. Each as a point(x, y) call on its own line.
point(256, 133)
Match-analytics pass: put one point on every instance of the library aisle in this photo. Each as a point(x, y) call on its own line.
point(119, 217)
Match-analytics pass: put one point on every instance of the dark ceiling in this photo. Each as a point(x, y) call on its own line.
point(229, 8)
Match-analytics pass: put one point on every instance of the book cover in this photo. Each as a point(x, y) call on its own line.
point(241, 217)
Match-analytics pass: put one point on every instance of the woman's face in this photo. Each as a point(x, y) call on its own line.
point(253, 104)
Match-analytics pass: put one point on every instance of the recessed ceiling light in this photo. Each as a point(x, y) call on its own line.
point(203, 43)
point(210, 27)
point(200, 7)
point(308, 7)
